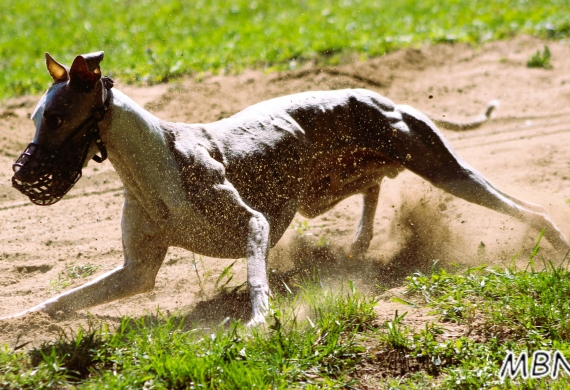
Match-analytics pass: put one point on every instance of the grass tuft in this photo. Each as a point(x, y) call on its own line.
point(540, 60)
point(507, 308)
point(72, 271)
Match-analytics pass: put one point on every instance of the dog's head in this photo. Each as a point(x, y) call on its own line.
point(62, 144)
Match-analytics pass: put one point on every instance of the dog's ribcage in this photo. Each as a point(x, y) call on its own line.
point(303, 152)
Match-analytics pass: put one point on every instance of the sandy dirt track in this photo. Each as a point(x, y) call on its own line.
point(525, 151)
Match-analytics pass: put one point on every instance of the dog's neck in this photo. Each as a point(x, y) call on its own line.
point(127, 129)
point(125, 113)
point(138, 150)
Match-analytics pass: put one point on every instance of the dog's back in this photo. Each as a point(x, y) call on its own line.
point(325, 120)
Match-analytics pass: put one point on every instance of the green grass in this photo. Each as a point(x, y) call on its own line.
point(540, 60)
point(508, 308)
point(72, 271)
point(161, 353)
point(154, 41)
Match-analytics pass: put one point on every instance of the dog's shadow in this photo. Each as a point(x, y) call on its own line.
point(224, 307)
point(325, 264)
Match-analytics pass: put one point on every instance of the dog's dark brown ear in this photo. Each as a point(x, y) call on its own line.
point(85, 71)
point(57, 71)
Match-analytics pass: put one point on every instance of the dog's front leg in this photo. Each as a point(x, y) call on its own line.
point(223, 202)
point(221, 205)
point(256, 254)
point(143, 258)
point(122, 282)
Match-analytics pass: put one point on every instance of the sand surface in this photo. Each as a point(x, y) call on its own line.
point(525, 151)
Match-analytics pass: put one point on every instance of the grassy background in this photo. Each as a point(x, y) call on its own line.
point(153, 41)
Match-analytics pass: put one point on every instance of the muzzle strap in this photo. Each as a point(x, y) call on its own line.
point(102, 150)
point(98, 115)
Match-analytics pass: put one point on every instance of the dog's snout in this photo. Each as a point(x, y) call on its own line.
point(26, 165)
point(20, 174)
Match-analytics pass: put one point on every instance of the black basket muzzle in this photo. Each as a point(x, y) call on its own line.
point(45, 175)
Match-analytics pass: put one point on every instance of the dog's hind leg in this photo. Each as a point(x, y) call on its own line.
point(365, 229)
point(474, 188)
point(423, 150)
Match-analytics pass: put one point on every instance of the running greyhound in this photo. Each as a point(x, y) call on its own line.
point(230, 188)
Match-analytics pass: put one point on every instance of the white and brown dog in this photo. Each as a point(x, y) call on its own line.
point(230, 188)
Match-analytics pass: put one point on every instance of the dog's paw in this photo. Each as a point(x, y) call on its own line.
point(358, 249)
point(256, 321)
point(18, 315)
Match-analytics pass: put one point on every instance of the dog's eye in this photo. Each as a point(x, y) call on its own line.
point(53, 121)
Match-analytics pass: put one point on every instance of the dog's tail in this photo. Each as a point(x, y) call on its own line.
point(462, 126)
